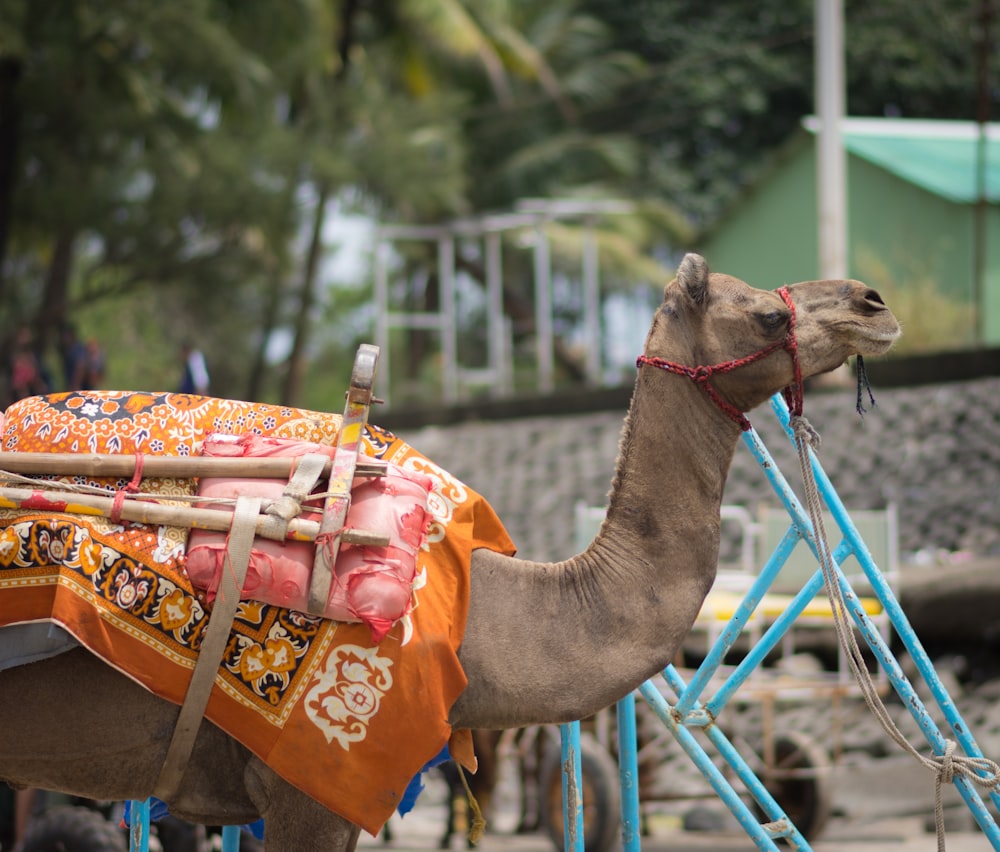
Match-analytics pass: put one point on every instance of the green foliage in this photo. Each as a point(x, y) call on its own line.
point(129, 328)
point(143, 149)
point(544, 143)
point(161, 163)
point(727, 83)
point(408, 155)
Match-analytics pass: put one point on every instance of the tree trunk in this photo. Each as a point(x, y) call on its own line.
point(292, 391)
point(10, 113)
point(268, 323)
point(54, 309)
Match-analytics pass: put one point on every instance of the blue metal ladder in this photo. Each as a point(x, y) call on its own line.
point(694, 713)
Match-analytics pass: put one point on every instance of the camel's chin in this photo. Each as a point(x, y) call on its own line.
point(877, 345)
point(875, 338)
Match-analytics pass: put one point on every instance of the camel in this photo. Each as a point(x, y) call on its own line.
point(544, 643)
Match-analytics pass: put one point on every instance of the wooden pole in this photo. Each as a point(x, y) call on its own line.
point(174, 467)
point(144, 511)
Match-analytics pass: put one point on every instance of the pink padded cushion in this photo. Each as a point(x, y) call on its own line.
point(372, 585)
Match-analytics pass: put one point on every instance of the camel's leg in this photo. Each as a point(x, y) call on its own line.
point(24, 803)
point(294, 821)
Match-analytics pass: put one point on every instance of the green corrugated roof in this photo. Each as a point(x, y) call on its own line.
point(939, 156)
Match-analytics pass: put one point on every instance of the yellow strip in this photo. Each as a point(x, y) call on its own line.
point(722, 606)
point(351, 433)
point(77, 509)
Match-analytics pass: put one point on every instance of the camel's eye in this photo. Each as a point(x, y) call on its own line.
point(772, 321)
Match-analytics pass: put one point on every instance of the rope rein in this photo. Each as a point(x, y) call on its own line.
point(863, 385)
point(984, 772)
point(702, 375)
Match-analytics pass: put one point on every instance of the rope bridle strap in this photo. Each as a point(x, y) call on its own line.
point(702, 375)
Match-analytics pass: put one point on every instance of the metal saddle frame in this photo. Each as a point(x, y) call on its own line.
point(695, 711)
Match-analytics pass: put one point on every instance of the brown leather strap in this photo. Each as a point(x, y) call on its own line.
point(307, 473)
point(213, 647)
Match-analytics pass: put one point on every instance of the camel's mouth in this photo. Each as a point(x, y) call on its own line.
point(877, 344)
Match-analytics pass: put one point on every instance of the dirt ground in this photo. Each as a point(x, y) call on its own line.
point(882, 798)
point(422, 829)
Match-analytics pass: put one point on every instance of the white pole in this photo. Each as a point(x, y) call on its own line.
point(494, 310)
point(591, 303)
point(449, 330)
point(543, 312)
point(382, 310)
point(831, 169)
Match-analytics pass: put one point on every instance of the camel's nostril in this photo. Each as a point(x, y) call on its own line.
point(873, 296)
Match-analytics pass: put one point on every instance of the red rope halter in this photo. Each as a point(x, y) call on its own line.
point(702, 375)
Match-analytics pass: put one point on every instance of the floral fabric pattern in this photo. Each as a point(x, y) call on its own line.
point(348, 722)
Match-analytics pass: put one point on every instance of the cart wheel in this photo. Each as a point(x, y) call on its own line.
point(72, 829)
point(800, 782)
point(601, 796)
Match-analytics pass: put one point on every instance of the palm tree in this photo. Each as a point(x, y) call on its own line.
point(389, 52)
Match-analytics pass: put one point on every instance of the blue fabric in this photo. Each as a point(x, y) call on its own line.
point(158, 810)
point(416, 786)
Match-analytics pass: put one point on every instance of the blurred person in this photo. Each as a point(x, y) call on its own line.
point(93, 376)
point(195, 376)
point(83, 363)
point(76, 356)
point(27, 377)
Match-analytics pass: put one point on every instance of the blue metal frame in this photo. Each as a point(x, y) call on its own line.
point(572, 787)
point(690, 711)
point(628, 774)
point(139, 827)
point(139, 830)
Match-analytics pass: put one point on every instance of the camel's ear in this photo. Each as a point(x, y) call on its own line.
point(692, 275)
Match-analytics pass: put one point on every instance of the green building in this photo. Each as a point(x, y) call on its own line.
point(923, 215)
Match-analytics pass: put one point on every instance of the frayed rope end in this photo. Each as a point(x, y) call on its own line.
point(477, 825)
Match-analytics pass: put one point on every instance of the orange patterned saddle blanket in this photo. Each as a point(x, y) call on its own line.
point(348, 721)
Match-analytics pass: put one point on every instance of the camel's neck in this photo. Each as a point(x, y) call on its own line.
point(552, 642)
point(675, 454)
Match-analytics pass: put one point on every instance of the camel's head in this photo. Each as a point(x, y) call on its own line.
point(708, 320)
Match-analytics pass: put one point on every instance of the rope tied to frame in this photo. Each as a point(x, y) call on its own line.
point(131, 488)
point(946, 766)
point(804, 429)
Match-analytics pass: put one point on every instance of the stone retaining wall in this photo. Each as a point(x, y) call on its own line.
point(933, 450)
